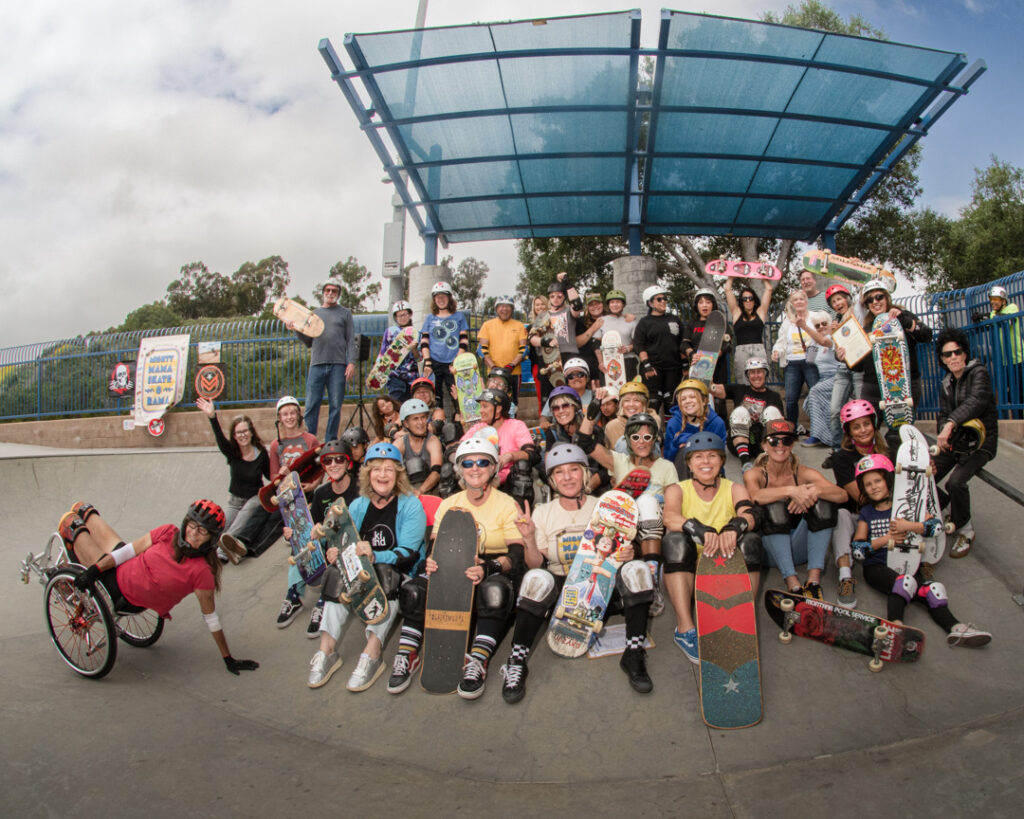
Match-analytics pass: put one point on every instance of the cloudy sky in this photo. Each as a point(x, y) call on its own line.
point(137, 137)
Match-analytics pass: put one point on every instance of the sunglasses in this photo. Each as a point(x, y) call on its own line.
point(951, 353)
point(747, 298)
point(659, 298)
point(780, 440)
point(576, 375)
point(557, 407)
point(329, 460)
point(823, 326)
point(469, 463)
point(636, 436)
point(878, 297)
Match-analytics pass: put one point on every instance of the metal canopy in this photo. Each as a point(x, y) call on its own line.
point(548, 128)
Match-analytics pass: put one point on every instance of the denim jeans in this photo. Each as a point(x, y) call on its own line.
point(845, 386)
point(796, 374)
point(798, 547)
point(331, 376)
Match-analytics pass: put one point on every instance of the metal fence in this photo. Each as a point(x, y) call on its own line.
point(262, 360)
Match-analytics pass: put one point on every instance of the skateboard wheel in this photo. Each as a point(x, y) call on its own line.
point(317, 530)
point(928, 471)
point(559, 612)
point(291, 560)
point(344, 598)
point(881, 632)
point(364, 576)
point(898, 467)
point(875, 665)
point(311, 547)
point(336, 509)
point(274, 500)
point(891, 544)
point(786, 604)
point(598, 626)
point(785, 638)
point(949, 526)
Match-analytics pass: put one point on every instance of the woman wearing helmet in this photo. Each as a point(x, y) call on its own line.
point(405, 372)
point(710, 513)
point(754, 405)
point(566, 410)
point(748, 313)
point(498, 569)
point(692, 413)
point(578, 378)
point(846, 384)
point(588, 337)
point(551, 534)
point(705, 301)
point(443, 336)
point(799, 506)
point(501, 379)
point(658, 341)
point(632, 400)
point(157, 570)
point(515, 443)
point(503, 343)
point(392, 527)
point(419, 447)
point(618, 320)
point(423, 388)
point(965, 395)
point(876, 529)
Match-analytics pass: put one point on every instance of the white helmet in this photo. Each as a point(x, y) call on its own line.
point(756, 364)
point(576, 364)
point(287, 400)
point(401, 304)
point(480, 444)
point(504, 300)
point(997, 292)
point(441, 287)
point(652, 291)
point(334, 281)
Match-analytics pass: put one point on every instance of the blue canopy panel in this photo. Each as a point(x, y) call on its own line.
point(544, 127)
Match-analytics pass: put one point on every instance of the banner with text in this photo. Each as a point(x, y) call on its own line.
point(159, 376)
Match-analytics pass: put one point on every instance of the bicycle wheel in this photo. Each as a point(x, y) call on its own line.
point(80, 624)
point(140, 629)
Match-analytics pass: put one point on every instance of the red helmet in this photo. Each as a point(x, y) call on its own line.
point(870, 463)
point(420, 382)
point(857, 408)
point(836, 288)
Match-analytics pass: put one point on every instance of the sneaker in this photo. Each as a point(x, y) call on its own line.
point(232, 547)
point(84, 510)
point(847, 593)
point(813, 590)
point(801, 430)
point(315, 616)
point(965, 634)
point(964, 541)
point(322, 668)
point(810, 440)
point(634, 663)
point(401, 672)
point(290, 609)
point(472, 685)
point(928, 572)
point(68, 525)
point(658, 603)
point(221, 555)
point(366, 673)
point(827, 463)
point(515, 675)
point(687, 641)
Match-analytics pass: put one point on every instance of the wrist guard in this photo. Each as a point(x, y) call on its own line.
point(646, 366)
point(593, 410)
point(577, 303)
point(492, 567)
point(696, 530)
point(586, 442)
point(931, 526)
point(738, 524)
point(860, 549)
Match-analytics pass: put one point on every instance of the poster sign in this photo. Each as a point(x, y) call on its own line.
point(122, 379)
point(159, 376)
point(209, 381)
point(208, 352)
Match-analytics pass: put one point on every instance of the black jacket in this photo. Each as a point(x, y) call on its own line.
point(970, 396)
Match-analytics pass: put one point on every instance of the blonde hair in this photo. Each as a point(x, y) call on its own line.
point(402, 485)
point(761, 462)
point(790, 310)
point(533, 304)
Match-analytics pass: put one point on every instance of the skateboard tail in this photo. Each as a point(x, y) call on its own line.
point(731, 700)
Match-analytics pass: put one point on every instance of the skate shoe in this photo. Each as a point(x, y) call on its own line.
point(965, 634)
point(322, 668)
point(404, 667)
point(634, 663)
point(515, 675)
point(813, 591)
point(290, 609)
point(69, 527)
point(472, 685)
point(232, 548)
point(847, 593)
point(687, 641)
point(963, 544)
point(84, 510)
point(366, 673)
point(315, 617)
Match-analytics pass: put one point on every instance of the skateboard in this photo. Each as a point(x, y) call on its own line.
point(854, 630)
point(614, 364)
point(552, 369)
point(309, 469)
point(389, 359)
point(743, 270)
point(449, 604)
point(730, 669)
point(362, 592)
point(705, 357)
point(468, 386)
point(579, 613)
point(636, 482)
point(847, 268)
point(915, 497)
point(307, 555)
point(299, 317)
point(892, 363)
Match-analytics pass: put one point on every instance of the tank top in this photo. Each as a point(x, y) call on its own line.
point(749, 331)
point(714, 513)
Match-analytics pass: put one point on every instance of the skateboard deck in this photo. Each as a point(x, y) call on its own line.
point(844, 628)
point(449, 604)
point(705, 357)
point(743, 270)
point(730, 670)
point(468, 386)
point(307, 555)
point(915, 497)
point(636, 482)
point(309, 469)
point(579, 613)
point(848, 268)
point(362, 592)
point(299, 317)
point(892, 363)
point(389, 359)
point(552, 369)
point(614, 363)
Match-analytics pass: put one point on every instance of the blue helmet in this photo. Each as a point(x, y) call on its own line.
point(383, 450)
point(703, 441)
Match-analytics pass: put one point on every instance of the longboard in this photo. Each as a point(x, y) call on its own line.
point(892, 363)
point(743, 270)
point(915, 497)
point(449, 604)
point(300, 318)
point(730, 670)
point(705, 357)
point(847, 268)
point(390, 358)
point(552, 369)
point(614, 363)
point(468, 387)
point(854, 630)
point(307, 555)
point(307, 465)
point(362, 592)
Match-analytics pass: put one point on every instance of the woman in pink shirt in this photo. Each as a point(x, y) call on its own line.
point(515, 443)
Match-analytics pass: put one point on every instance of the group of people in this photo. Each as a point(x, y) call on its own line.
point(659, 438)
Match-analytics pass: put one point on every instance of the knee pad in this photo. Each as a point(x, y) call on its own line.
point(649, 523)
point(934, 594)
point(750, 548)
point(679, 553)
point(332, 586)
point(739, 423)
point(770, 414)
point(775, 518)
point(822, 515)
point(538, 592)
point(412, 599)
point(494, 597)
point(390, 579)
point(634, 584)
point(905, 586)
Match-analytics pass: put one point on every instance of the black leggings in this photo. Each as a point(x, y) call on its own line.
point(881, 578)
point(956, 493)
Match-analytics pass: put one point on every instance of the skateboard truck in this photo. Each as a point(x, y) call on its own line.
point(877, 645)
point(790, 619)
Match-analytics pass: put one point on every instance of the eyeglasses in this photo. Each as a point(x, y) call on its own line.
point(557, 407)
point(202, 530)
point(576, 375)
point(330, 460)
point(637, 437)
point(951, 353)
point(875, 299)
point(469, 463)
point(659, 298)
point(780, 440)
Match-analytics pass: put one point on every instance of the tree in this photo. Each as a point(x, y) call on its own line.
point(354, 293)
point(198, 292)
point(468, 282)
point(254, 285)
point(150, 317)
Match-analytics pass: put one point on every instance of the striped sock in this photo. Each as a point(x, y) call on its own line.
point(635, 642)
point(743, 450)
point(483, 648)
point(409, 641)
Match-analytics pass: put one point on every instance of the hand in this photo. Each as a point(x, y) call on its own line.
point(561, 276)
point(234, 666)
point(775, 356)
point(894, 312)
point(350, 370)
point(428, 364)
point(625, 552)
point(944, 436)
point(365, 549)
point(524, 523)
point(801, 322)
point(476, 573)
point(205, 405)
point(332, 554)
point(287, 532)
point(431, 565)
point(87, 579)
point(840, 353)
point(598, 323)
point(454, 392)
point(505, 458)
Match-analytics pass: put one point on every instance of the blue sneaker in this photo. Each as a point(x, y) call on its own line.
point(810, 440)
point(687, 641)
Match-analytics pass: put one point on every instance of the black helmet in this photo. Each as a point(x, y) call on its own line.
point(555, 287)
point(337, 448)
point(354, 436)
point(210, 516)
point(504, 373)
point(497, 397)
point(641, 419)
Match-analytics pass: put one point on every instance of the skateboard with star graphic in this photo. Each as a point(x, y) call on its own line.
point(730, 668)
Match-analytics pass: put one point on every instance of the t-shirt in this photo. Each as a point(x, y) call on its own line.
point(495, 520)
point(714, 513)
point(662, 472)
point(559, 532)
point(755, 402)
point(878, 526)
point(324, 496)
point(659, 337)
point(563, 325)
point(155, 580)
point(443, 333)
point(285, 451)
point(337, 343)
point(504, 340)
point(513, 435)
point(623, 328)
point(378, 526)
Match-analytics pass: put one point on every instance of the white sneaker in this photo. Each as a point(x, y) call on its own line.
point(322, 668)
point(965, 634)
point(366, 673)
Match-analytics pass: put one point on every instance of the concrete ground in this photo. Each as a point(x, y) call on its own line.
point(170, 732)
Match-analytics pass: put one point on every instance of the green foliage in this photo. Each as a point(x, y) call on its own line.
point(354, 292)
point(254, 286)
point(468, 281)
point(150, 317)
point(198, 293)
point(816, 15)
point(587, 260)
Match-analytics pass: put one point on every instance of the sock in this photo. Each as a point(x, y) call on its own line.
point(634, 642)
point(409, 640)
point(743, 450)
point(636, 622)
point(845, 573)
point(483, 648)
point(520, 654)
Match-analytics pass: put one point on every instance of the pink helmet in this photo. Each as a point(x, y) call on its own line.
point(857, 408)
point(869, 463)
point(836, 288)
